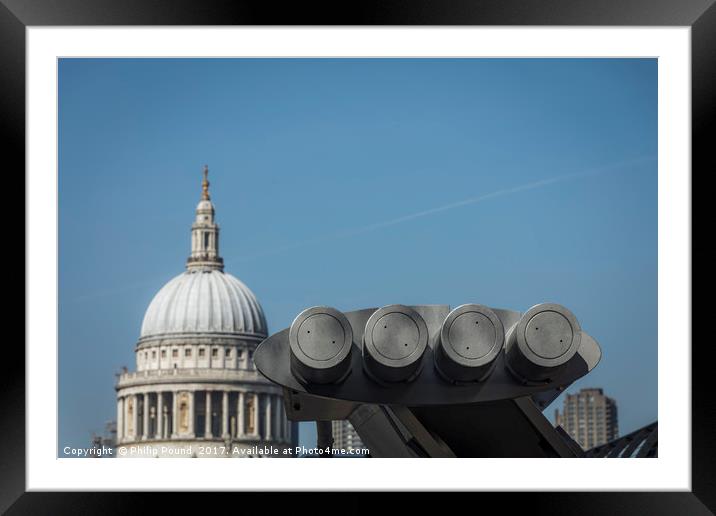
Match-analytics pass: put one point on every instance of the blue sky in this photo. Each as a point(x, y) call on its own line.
point(356, 183)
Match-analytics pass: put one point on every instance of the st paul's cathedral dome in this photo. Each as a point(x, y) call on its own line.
point(196, 383)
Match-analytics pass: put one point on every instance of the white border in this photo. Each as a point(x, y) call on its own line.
point(671, 471)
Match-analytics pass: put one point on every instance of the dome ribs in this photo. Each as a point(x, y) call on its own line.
point(203, 302)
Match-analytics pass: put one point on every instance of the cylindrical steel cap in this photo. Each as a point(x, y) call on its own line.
point(394, 342)
point(546, 337)
point(320, 339)
point(471, 338)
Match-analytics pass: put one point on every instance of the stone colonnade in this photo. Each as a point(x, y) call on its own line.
point(201, 414)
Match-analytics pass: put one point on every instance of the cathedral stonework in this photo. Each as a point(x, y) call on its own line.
point(196, 387)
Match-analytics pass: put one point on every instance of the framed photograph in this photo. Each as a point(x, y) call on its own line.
point(441, 246)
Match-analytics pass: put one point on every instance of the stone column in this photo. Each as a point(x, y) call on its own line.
point(135, 417)
point(240, 415)
point(145, 416)
point(175, 413)
point(120, 419)
point(277, 417)
point(207, 420)
point(269, 422)
point(256, 414)
point(192, 413)
point(160, 416)
point(165, 422)
point(125, 418)
point(225, 415)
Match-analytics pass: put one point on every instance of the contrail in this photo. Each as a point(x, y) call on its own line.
point(458, 204)
point(399, 220)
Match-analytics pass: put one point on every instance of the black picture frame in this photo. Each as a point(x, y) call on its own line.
point(700, 15)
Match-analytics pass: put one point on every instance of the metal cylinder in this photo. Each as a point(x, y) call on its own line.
point(394, 342)
point(545, 338)
point(320, 339)
point(471, 338)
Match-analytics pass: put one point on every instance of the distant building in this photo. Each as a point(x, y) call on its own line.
point(589, 417)
point(103, 444)
point(345, 436)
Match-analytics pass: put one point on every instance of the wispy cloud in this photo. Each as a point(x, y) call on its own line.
point(614, 167)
